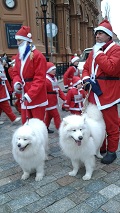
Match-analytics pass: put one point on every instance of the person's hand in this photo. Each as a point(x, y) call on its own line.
point(24, 99)
point(86, 84)
point(18, 88)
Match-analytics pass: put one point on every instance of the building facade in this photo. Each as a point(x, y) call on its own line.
point(74, 21)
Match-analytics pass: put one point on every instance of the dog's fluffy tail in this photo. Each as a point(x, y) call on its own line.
point(93, 112)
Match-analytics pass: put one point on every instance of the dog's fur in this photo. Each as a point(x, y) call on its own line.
point(81, 137)
point(29, 147)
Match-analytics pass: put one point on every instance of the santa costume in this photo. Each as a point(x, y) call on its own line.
point(17, 103)
point(29, 77)
point(103, 65)
point(5, 90)
point(53, 94)
point(75, 97)
point(70, 72)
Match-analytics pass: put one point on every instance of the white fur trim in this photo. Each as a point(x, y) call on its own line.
point(50, 108)
point(11, 62)
point(86, 77)
point(104, 29)
point(28, 98)
point(75, 59)
point(23, 38)
point(34, 106)
point(78, 82)
point(51, 68)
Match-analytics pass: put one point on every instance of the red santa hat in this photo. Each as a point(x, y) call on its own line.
point(50, 67)
point(24, 34)
point(106, 27)
point(74, 58)
point(76, 80)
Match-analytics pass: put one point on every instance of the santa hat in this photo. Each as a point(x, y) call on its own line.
point(76, 80)
point(74, 58)
point(24, 34)
point(50, 67)
point(106, 27)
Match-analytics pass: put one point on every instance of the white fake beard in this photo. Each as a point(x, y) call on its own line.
point(22, 48)
point(97, 46)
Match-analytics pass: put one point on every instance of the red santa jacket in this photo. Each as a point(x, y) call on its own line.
point(74, 99)
point(5, 88)
point(53, 92)
point(68, 75)
point(31, 73)
point(106, 68)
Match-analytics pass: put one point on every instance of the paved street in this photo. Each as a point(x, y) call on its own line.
point(57, 192)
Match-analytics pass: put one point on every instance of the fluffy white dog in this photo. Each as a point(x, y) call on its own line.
point(29, 147)
point(81, 137)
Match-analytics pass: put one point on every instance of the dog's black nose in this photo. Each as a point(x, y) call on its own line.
point(19, 145)
point(80, 138)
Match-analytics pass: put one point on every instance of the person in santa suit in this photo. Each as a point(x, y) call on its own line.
point(5, 90)
point(53, 94)
point(17, 103)
point(71, 71)
point(75, 97)
point(102, 71)
point(29, 76)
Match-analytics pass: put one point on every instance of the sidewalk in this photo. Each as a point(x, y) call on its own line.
point(57, 192)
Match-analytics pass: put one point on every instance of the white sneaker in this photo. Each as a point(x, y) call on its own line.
point(1, 122)
point(16, 120)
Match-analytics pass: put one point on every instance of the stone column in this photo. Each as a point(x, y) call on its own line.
point(91, 39)
point(75, 33)
point(83, 35)
point(63, 28)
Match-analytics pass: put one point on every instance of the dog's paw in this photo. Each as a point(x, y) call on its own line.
point(25, 176)
point(72, 173)
point(86, 177)
point(39, 177)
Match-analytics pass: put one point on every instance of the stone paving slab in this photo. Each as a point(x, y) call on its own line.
point(57, 192)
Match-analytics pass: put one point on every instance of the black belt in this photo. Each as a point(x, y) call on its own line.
point(28, 79)
point(107, 78)
point(51, 92)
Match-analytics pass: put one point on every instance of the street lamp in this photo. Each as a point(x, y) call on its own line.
point(44, 9)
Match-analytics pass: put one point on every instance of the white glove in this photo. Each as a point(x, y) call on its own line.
point(18, 88)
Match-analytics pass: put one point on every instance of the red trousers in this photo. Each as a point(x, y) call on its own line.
point(5, 107)
point(110, 116)
point(49, 114)
point(17, 103)
point(38, 112)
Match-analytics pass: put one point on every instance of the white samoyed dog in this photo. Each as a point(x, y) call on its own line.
point(80, 138)
point(29, 147)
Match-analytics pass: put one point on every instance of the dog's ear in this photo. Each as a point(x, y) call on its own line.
point(65, 121)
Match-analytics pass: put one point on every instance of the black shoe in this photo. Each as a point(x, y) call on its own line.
point(50, 131)
point(109, 158)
